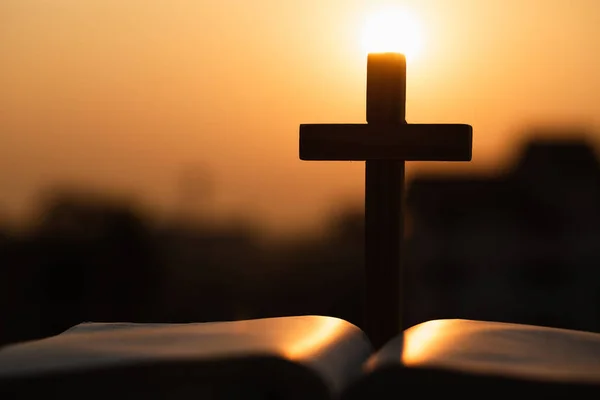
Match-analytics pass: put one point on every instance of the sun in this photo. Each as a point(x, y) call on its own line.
point(392, 30)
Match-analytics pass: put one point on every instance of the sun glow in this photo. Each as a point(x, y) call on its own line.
point(392, 30)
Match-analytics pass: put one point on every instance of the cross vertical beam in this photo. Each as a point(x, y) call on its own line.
point(384, 197)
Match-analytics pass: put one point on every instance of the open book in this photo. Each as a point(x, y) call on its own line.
point(309, 357)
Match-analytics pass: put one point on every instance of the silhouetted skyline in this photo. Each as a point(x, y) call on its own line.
point(482, 246)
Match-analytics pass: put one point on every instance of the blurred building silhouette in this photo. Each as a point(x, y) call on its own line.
point(520, 246)
point(94, 258)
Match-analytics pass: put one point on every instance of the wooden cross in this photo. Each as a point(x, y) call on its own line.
point(385, 142)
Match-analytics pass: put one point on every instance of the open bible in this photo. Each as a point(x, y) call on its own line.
point(295, 358)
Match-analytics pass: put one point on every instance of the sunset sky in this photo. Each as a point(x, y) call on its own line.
point(126, 95)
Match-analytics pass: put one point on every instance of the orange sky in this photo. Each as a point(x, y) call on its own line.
point(125, 95)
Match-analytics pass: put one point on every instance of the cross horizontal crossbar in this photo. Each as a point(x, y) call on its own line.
point(408, 142)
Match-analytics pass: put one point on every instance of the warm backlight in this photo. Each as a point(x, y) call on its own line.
point(392, 30)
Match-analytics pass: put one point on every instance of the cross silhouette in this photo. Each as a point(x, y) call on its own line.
point(385, 142)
